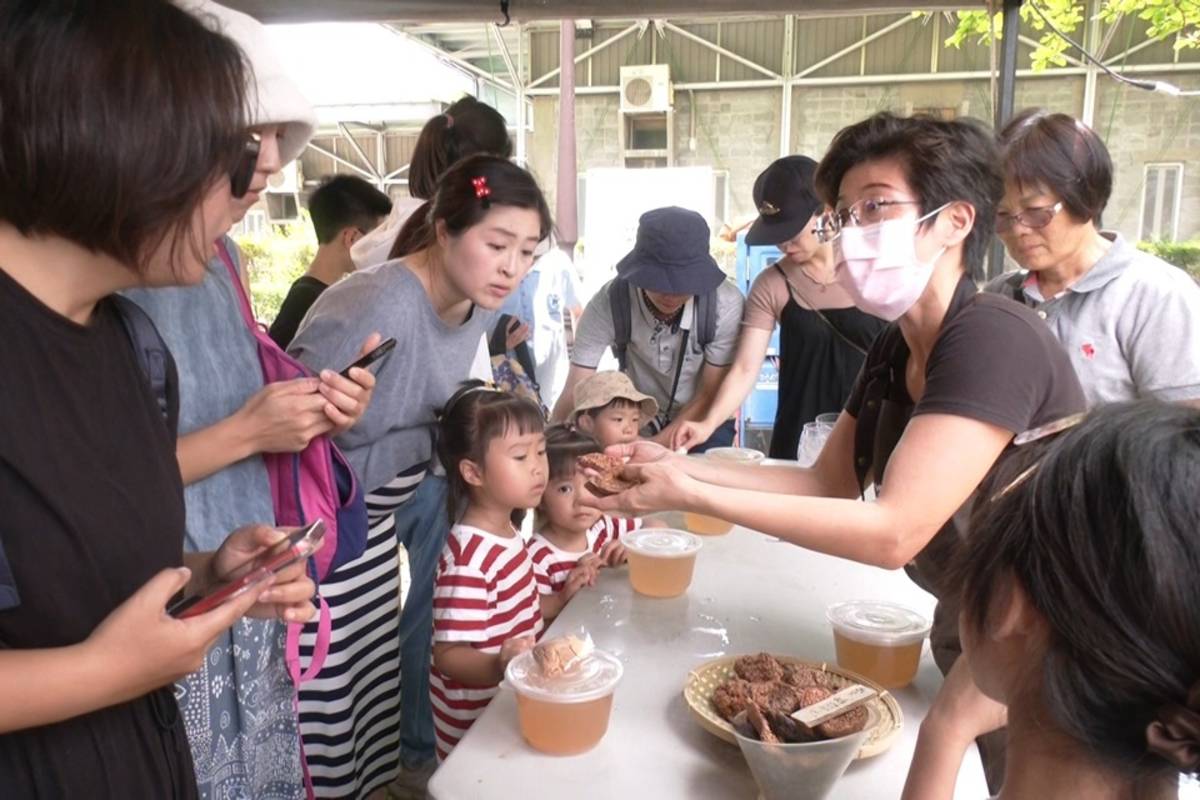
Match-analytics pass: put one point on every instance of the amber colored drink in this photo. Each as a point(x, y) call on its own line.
point(563, 729)
point(891, 667)
point(706, 525)
point(660, 577)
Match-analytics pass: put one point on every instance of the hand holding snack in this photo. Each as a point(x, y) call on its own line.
point(512, 648)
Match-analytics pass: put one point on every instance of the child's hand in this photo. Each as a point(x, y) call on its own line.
point(583, 575)
point(612, 554)
point(513, 648)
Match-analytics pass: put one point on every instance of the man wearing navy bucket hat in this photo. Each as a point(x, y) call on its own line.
point(671, 319)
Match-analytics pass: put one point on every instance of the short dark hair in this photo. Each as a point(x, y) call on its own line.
point(472, 417)
point(943, 160)
point(467, 127)
point(1061, 155)
point(346, 201)
point(114, 123)
point(564, 444)
point(456, 203)
point(1102, 537)
point(616, 402)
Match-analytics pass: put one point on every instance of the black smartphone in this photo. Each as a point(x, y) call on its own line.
point(370, 358)
point(299, 545)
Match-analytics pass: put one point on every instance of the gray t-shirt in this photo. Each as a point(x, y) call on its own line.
point(654, 348)
point(1131, 325)
point(430, 360)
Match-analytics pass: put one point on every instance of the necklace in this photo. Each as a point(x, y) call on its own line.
point(822, 285)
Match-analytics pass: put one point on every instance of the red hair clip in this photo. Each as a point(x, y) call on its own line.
point(482, 190)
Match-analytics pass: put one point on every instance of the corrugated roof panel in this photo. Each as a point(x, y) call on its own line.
point(606, 64)
point(817, 39)
point(690, 61)
point(904, 50)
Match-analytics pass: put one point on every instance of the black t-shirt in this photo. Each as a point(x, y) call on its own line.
point(92, 508)
point(994, 361)
point(300, 297)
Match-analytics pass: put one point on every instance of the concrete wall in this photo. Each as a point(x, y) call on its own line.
point(738, 130)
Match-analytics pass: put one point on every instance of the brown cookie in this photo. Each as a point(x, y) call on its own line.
point(800, 676)
point(758, 669)
point(732, 697)
point(761, 727)
point(810, 695)
point(775, 696)
point(852, 721)
point(608, 480)
point(789, 729)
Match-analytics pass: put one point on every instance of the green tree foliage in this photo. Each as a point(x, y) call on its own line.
point(1166, 19)
point(274, 259)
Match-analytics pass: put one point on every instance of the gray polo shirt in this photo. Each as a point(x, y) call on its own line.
point(654, 348)
point(1131, 325)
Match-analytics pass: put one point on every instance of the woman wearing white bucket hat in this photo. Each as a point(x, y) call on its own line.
point(238, 708)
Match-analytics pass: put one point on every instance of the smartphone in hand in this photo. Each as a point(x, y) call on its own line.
point(299, 545)
point(370, 358)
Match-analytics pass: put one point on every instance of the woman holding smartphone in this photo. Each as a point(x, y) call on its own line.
point(92, 531)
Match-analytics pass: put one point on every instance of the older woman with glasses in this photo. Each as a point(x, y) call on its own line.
point(944, 389)
point(1112, 306)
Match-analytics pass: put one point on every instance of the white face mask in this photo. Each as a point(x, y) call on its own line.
point(878, 266)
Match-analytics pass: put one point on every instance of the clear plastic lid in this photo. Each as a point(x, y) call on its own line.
point(593, 677)
point(662, 543)
point(878, 622)
point(745, 454)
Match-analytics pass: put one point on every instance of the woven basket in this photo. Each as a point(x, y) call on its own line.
point(704, 679)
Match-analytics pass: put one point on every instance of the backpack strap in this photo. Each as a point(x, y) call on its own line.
point(150, 350)
point(622, 316)
point(706, 318)
point(1016, 285)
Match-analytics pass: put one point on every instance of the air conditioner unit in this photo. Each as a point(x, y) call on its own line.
point(287, 180)
point(646, 88)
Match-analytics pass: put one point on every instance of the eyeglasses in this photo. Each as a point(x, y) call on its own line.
point(1033, 435)
point(864, 212)
point(243, 172)
point(1032, 218)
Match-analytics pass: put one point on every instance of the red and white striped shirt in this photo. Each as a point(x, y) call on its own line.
point(484, 594)
point(552, 564)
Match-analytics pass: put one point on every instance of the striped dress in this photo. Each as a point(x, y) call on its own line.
point(484, 594)
point(350, 713)
point(552, 564)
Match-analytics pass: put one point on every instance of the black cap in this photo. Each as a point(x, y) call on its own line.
point(785, 198)
point(671, 254)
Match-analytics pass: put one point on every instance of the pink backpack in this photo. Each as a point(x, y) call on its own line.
point(317, 483)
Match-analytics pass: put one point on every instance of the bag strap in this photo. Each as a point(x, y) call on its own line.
point(794, 290)
point(683, 345)
point(880, 377)
point(292, 659)
point(239, 288)
point(706, 318)
point(622, 316)
point(149, 349)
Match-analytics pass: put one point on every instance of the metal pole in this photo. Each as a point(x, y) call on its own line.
point(1092, 42)
point(785, 106)
point(1004, 103)
point(566, 206)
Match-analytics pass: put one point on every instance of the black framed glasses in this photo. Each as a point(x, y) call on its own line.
point(243, 172)
point(864, 212)
point(1032, 218)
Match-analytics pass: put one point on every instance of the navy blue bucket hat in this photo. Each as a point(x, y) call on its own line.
point(671, 254)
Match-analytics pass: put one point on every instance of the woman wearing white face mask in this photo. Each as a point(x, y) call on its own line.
point(944, 389)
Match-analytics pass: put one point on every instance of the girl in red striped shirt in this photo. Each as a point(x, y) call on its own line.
point(485, 599)
point(573, 540)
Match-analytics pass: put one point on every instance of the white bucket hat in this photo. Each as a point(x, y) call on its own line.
point(273, 98)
